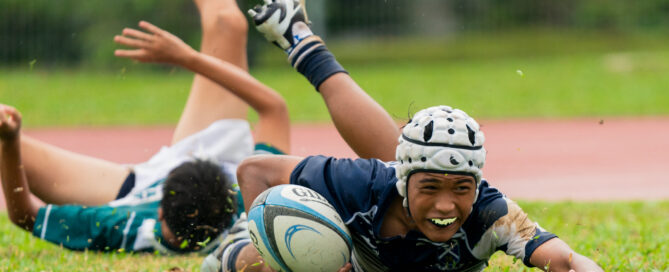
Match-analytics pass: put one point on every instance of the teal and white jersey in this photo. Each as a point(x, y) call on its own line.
point(127, 224)
point(131, 222)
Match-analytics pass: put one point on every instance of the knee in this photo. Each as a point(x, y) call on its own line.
point(246, 171)
point(232, 20)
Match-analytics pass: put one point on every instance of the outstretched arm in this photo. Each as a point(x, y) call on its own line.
point(365, 126)
point(362, 122)
point(21, 207)
point(258, 173)
point(556, 255)
point(161, 46)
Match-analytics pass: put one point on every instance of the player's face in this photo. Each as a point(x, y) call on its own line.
point(440, 203)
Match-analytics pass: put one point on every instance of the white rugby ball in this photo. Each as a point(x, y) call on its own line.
point(296, 229)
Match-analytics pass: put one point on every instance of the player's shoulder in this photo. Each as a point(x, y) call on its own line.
point(347, 166)
point(494, 211)
point(351, 177)
point(490, 206)
point(489, 197)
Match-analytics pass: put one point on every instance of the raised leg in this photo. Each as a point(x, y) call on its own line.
point(59, 176)
point(365, 126)
point(224, 32)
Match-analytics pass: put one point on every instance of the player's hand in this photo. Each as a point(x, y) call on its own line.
point(346, 268)
point(10, 122)
point(282, 22)
point(155, 46)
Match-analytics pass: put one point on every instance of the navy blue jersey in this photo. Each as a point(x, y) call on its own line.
point(362, 190)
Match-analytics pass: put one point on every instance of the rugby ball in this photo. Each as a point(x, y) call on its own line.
point(296, 229)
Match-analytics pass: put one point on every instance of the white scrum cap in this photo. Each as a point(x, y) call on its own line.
point(439, 139)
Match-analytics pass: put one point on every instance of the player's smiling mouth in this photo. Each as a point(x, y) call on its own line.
point(442, 223)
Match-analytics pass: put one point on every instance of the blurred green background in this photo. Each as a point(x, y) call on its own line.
point(76, 33)
point(494, 59)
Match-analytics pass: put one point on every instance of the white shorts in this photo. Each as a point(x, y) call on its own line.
point(225, 142)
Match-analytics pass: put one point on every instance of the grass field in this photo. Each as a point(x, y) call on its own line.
point(626, 236)
point(500, 77)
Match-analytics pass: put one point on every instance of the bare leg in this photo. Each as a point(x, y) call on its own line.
point(59, 176)
point(364, 124)
point(224, 32)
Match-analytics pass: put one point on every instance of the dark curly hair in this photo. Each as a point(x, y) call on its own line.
point(198, 202)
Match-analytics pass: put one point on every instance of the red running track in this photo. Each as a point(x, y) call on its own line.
point(583, 159)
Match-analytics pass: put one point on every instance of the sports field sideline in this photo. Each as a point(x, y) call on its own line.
point(605, 159)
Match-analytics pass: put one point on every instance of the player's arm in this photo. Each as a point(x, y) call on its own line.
point(527, 241)
point(22, 209)
point(549, 252)
point(161, 46)
point(556, 255)
point(258, 173)
point(365, 126)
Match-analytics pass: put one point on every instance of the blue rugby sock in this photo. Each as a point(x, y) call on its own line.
point(230, 254)
point(313, 60)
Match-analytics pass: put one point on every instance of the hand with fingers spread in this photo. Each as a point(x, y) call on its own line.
point(155, 46)
point(10, 122)
point(161, 46)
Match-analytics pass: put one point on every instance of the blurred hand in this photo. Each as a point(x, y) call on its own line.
point(10, 122)
point(346, 268)
point(156, 46)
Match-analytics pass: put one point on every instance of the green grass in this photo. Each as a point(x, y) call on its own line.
point(620, 236)
point(507, 75)
point(20, 251)
point(68, 98)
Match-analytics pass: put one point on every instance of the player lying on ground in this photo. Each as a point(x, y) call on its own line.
point(99, 205)
point(428, 210)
